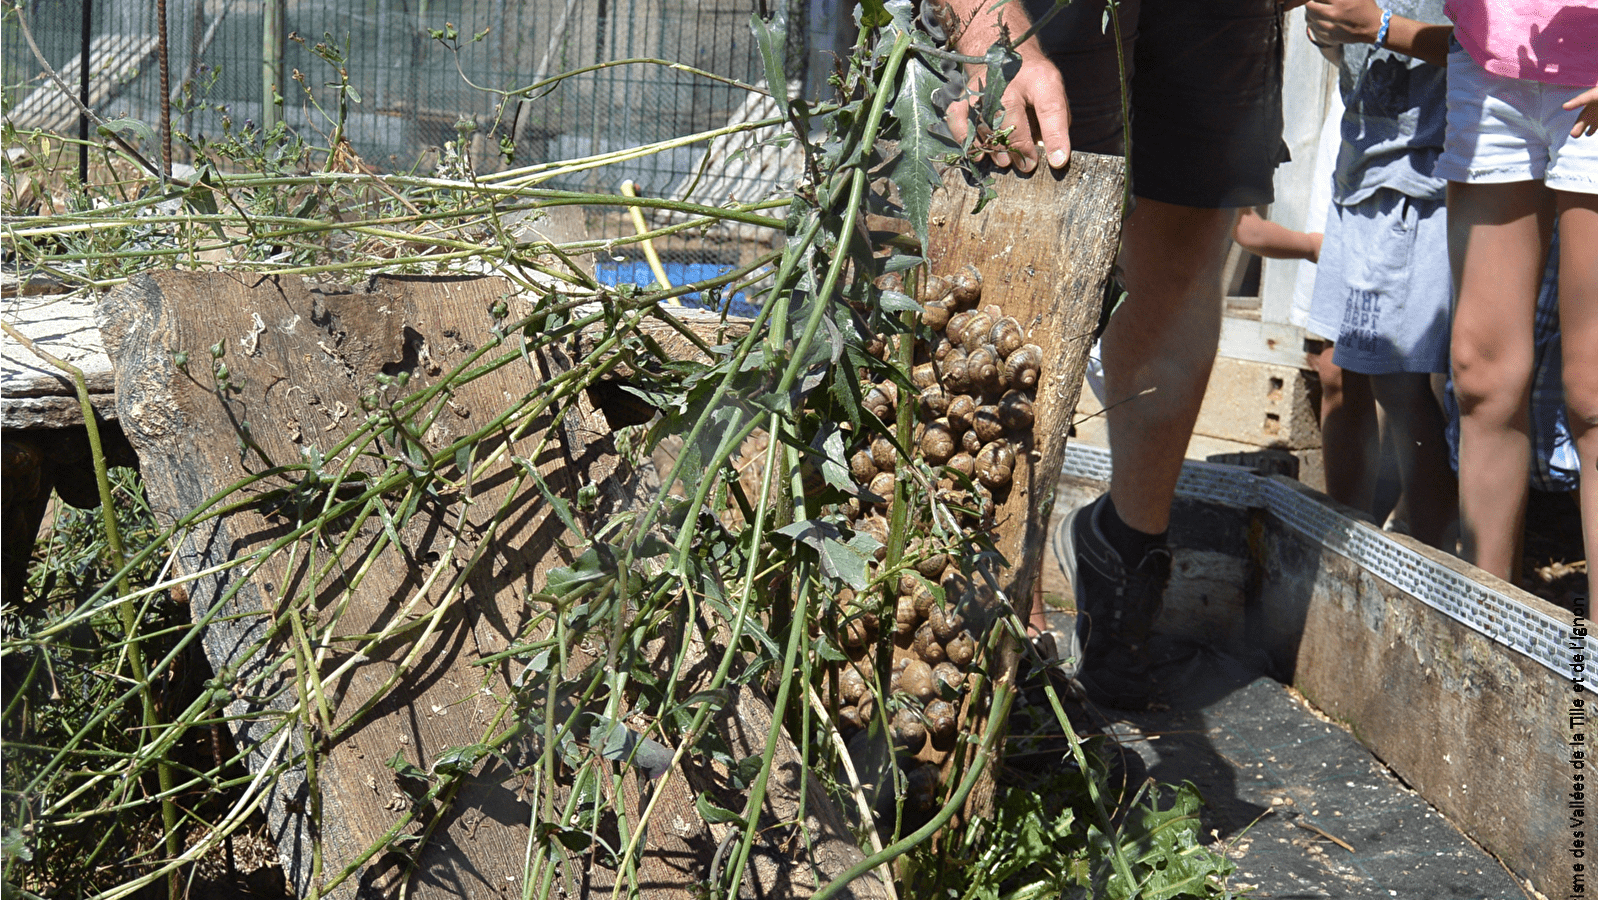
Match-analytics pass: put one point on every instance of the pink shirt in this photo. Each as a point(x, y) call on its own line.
point(1552, 41)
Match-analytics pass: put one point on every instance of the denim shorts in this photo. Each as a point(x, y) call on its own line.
point(1206, 93)
point(1382, 285)
point(1512, 129)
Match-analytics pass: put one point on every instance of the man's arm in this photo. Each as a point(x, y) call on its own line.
point(1037, 86)
point(1359, 21)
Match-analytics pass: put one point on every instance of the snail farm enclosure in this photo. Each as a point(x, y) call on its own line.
point(502, 580)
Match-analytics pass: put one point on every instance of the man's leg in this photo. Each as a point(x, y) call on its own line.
point(1159, 349)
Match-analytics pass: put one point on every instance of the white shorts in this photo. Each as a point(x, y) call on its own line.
point(1512, 129)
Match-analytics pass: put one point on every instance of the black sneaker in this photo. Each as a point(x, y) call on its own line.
point(1116, 606)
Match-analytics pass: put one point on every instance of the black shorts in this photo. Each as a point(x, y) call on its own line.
point(1206, 97)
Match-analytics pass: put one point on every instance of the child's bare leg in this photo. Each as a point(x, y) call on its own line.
point(1417, 424)
point(1579, 353)
point(1348, 432)
point(1497, 233)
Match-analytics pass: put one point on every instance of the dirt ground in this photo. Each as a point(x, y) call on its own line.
point(1552, 564)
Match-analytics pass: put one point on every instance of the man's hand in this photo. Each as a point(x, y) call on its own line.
point(1343, 21)
point(1037, 88)
point(1588, 119)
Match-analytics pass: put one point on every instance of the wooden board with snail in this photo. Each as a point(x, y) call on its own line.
point(1041, 249)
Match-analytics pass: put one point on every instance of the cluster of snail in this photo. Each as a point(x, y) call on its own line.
point(976, 378)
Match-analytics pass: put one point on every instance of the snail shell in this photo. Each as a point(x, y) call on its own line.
point(935, 314)
point(945, 623)
point(956, 327)
point(935, 401)
point(975, 331)
point(987, 423)
point(852, 684)
point(923, 375)
point(938, 442)
point(1016, 411)
point(926, 645)
point(995, 462)
point(881, 399)
point(1006, 336)
point(861, 467)
point(934, 287)
point(909, 732)
point(970, 442)
point(884, 456)
point(883, 486)
point(964, 463)
point(960, 649)
point(1021, 367)
point(982, 368)
point(961, 407)
point(939, 717)
point(917, 680)
point(945, 672)
point(905, 617)
point(967, 287)
point(850, 720)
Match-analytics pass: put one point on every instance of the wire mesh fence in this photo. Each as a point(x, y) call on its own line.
point(418, 99)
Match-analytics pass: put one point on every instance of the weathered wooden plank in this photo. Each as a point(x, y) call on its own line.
point(301, 357)
point(1044, 245)
point(62, 324)
point(1480, 730)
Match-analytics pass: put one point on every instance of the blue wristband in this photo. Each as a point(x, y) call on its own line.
point(1382, 32)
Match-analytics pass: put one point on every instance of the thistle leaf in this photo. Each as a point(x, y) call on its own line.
point(919, 143)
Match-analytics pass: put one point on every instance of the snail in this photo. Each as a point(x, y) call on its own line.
point(859, 631)
point(923, 375)
point(905, 617)
point(877, 526)
point(974, 332)
point(967, 287)
point(852, 684)
point(945, 623)
point(921, 789)
point(964, 463)
point(982, 368)
point(917, 680)
point(995, 462)
point(935, 287)
point(909, 732)
point(953, 372)
point(849, 719)
point(1021, 367)
point(970, 442)
point(987, 423)
point(960, 649)
point(945, 673)
point(1016, 411)
point(861, 467)
point(939, 718)
point(936, 314)
point(938, 443)
point(935, 401)
point(956, 326)
point(883, 486)
point(884, 456)
point(881, 399)
point(926, 645)
point(1006, 336)
point(961, 407)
